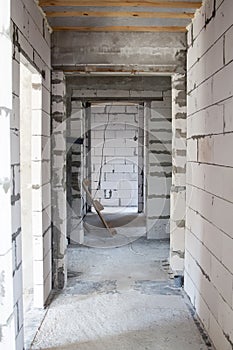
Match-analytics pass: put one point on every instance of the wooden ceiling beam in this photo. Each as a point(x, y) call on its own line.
point(54, 14)
point(125, 3)
point(121, 29)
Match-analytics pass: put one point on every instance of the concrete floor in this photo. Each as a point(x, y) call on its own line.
point(120, 298)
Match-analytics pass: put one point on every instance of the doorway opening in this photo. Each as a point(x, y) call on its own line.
point(31, 198)
point(116, 153)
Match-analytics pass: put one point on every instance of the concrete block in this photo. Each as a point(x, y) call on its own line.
point(47, 244)
point(213, 238)
point(15, 116)
point(221, 185)
point(132, 109)
point(125, 152)
point(19, 341)
point(47, 264)
point(228, 46)
point(17, 284)
point(206, 122)
point(177, 237)
point(106, 151)
point(46, 106)
point(15, 146)
point(127, 168)
point(38, 270)
point(124, 194)
point(43, 67)
point(221, 144)
point(158, 207)
point(128, 202)
point(198, 22)
point(228, 120)
point(41, 221)
point(202, 310)
point(38, 42)
point(110, 202)
point(125, 134)
point(126, 185)
point(16, 216)
point(38, 247)
point(96, 109)
point(222, 86)
point(34, 12)
point(116, 109)
point(107, 185)
point(19, 16)
point(225, 318)
point(157, 229)
point(18, 247)
point(217, 336)
point(222, 279)
point(7, 298)
point(189, 286)
point(205, 149)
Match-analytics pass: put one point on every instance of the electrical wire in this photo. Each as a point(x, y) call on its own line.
point(102, 153)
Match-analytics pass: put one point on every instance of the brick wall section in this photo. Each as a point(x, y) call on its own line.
point(159, 166)
point(209, 234)
point(119, 124)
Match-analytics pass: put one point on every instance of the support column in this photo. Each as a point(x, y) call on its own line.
point(178, 190)
point(141, 158)
point(59, 206)
point(75, 151)
point(159, 168)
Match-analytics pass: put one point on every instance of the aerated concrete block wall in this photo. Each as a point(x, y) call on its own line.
point(10, 333)
point(114, 154)
point(59, 198)
point(179, 158)
point(159, 166)
point(76, 169)
point(209, 233)
point(22, 31)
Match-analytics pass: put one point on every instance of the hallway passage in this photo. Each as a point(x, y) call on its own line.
point(120, 298)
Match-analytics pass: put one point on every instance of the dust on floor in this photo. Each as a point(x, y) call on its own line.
point(120, 298)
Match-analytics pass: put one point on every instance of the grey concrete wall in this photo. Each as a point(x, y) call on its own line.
point(209, 233)
point(119, 52)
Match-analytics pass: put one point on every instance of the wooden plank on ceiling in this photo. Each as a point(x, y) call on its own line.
point(53, 14)
point(125, 3)
point(122, 29)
